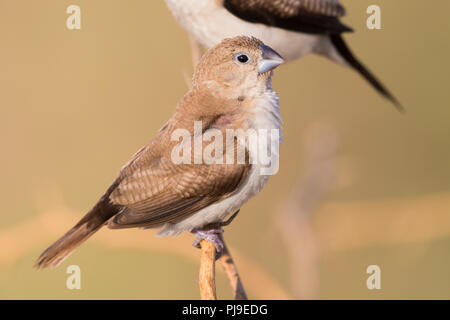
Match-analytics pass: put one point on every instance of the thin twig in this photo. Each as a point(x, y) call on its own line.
point(207, 266)
point(294, 219)
point(207, 274)
point(232, 273)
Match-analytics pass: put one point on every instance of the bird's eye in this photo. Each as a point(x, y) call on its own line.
point(242, 58)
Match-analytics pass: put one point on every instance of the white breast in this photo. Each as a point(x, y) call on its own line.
point(267, 116)
point(209, 23)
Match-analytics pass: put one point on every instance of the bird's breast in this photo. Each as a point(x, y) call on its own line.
point(264, 118)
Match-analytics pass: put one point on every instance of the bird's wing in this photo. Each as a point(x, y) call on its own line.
point(154, 191)
point(309, 16)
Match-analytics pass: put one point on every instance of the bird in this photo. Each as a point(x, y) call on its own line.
point(294, 28)
point(231, 91)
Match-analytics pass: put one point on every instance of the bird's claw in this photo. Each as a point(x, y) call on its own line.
point(211, 235)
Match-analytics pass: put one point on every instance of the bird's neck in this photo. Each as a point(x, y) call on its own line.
point(247, 89)
point(255, 107)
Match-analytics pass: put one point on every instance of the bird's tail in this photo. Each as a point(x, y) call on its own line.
point(345, 52)
point(88, 225)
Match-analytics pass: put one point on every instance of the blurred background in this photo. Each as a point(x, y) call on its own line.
point(359, 184)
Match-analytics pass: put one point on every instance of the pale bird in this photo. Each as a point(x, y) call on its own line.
point(231, 90)
point(294, 28)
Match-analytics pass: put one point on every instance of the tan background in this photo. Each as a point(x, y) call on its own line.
point(75, 105)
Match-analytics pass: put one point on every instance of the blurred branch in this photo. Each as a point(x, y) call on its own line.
point(207, 276)
point(232, 273)
point(338, 226)
point(294, 219)
point(20, 239)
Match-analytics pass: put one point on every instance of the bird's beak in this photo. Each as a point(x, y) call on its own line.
point(270, 59)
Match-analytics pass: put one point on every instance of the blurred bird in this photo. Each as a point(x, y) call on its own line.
point(292, 27)
point(231, 91)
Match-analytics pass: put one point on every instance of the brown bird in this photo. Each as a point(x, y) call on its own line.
point(294, 28)
point(231, 92)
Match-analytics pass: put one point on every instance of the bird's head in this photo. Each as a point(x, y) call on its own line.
point(237, 65)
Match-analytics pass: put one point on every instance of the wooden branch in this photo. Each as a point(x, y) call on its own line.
point(207, 276)
point(232, 273)
point(207, 266)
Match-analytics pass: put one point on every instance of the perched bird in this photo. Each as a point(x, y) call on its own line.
point(292, 27)
point(231, 91)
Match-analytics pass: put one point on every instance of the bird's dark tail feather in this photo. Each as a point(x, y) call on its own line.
point(88, 225)
point(349, 57)
point(61, 249)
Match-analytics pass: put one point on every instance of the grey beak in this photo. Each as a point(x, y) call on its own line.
point(270, 59)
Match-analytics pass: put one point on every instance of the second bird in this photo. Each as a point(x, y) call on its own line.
point(294, 28)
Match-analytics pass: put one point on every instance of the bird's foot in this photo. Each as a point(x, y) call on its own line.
point(211, 235)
